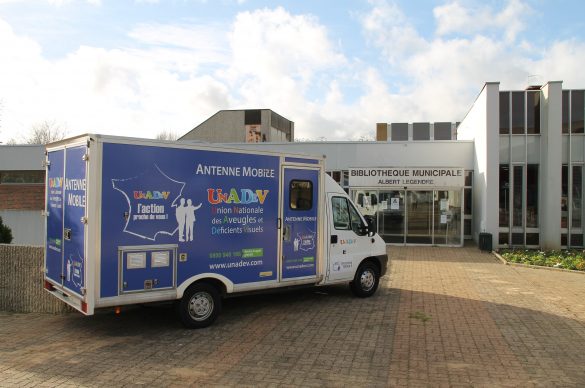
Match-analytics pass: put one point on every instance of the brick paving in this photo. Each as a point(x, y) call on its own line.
point(443, 317)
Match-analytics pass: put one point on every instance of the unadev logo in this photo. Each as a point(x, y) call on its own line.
point(244, 196)
point(55, 182)
point(151, 194)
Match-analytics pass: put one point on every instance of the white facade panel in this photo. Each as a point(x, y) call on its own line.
point(27, 226)
point(577, 148)
point(346, 155)
point(532, 149)
point(518, 149)
point(22, 157)
point(481, 124)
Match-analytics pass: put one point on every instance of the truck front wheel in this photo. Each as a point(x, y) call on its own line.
point(200, 306)
point(366, 280)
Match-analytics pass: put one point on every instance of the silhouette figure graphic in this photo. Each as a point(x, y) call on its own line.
point(181, 214)
point(190, 219)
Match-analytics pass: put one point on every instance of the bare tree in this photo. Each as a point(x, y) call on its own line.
point(45, 132)
point(367, 137)
point(167, 135)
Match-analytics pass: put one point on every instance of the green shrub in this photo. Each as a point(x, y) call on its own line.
point(567, 259)
point(5, 233)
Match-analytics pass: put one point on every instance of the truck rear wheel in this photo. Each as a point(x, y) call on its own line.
point(200, 306)
point(366, 280)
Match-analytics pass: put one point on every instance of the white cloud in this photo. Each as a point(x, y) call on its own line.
point(454, 18)
point(183, 47)
point(276, 43)
point(562, 61)
point(269, 59)
point(97, 90)
point(57, 3)
point(442, 75)
point(176, 75)
point(387, 27)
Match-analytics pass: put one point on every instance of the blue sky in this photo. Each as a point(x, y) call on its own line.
point(137, 68)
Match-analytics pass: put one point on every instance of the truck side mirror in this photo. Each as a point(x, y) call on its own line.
point(371, 220)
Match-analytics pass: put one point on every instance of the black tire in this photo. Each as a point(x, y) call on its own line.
point(199, 306)
point(366, 280)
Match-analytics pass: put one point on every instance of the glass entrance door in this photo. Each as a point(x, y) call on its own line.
point(416, 217)
point(419, 224)
point(391, 216)
point(447, 225)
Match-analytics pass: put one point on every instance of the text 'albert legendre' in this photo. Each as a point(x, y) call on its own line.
point(203, 169)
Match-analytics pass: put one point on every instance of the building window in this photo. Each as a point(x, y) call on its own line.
point(252, 117)
point(504, 195)
point(566, 106)
point(468, 178)
point(443, 131)
point(518, 113)
point(576, 240)
point(517, 238)
point(532, 239)
point(22, 177)
point(468, 202)
point(518, 188)
point(336, 175)
point(421, 131)
point(564, 196)
point(576, 200)
point(533, 117)
point(577, 111)
point(504, 113)
point(280, 123)
point(301, 195)
point(399, 131)
point(532, 196)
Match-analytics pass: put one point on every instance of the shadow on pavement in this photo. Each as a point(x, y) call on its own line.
point(320, 336)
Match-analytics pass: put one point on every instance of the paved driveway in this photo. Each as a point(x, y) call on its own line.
point(443, 317)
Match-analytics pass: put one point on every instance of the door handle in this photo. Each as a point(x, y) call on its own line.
point(333, 239)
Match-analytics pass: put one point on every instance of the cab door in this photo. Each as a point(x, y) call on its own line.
point(299, 223)
point(348, 240)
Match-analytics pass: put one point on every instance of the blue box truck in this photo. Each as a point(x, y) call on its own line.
point(132, 221)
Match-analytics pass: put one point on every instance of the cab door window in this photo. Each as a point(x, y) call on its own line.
point(356, 221)
point(341, 219)
point(346, 217)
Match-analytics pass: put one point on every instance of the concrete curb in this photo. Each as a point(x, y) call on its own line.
point(506, 262)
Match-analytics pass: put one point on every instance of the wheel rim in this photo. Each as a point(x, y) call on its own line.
point(200, 306)
point(367, 280)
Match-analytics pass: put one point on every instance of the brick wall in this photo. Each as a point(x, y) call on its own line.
point(21, 281)
point(22, 197)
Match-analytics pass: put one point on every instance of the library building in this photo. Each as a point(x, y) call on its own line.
point(511, 169)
